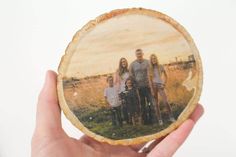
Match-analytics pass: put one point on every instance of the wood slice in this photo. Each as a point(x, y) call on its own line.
point(117, 100)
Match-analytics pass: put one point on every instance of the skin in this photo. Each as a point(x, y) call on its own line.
point(155, 91)
point(154, 62)
point(110, 82)
point(139, 55)
point(124, 64)
point(50, 140)
point(130, 86)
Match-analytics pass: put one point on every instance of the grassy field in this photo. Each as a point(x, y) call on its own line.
point(99, 121)
point(89, 106)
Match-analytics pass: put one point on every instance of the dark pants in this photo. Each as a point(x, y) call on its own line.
point(116, 116)
point(147, 108)
point(124, 108)
point(125, 112)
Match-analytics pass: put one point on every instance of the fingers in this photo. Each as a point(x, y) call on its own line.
point(168, 146)
point(138, 146)
point(173, 141)
point(198, 112)
point(152, 145)
point(48, 112)
point(112, 150)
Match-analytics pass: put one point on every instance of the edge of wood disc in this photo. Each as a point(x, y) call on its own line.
point(88, 27)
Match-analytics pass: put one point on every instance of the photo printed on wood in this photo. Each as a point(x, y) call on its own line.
point(130, 76)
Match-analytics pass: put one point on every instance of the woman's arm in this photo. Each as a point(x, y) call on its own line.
point(150, 81)
point(165, 75)
point(117, 79)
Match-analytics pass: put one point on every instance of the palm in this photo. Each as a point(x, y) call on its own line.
point(59, 144)
point(107, 150)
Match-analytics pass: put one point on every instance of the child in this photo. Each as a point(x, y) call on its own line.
point(112, 99)
point(124, 114)
point(132, 101)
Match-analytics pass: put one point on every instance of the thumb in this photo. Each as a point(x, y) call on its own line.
point(48, 116)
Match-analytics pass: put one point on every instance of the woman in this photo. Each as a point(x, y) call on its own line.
point(121, 75)
point(157, 84)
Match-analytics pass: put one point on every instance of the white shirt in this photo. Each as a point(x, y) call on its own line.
point(111, 93)
point(123, 78)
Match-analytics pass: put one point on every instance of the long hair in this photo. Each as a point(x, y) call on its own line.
point(152, 65)
point(121, 69)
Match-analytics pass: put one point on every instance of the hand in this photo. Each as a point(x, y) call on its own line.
point(50, 140)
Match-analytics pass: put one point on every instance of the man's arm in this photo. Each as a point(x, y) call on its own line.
point(131, 70)
point(139, 101)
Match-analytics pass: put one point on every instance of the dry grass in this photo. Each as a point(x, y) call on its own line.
point(177, 93)
point(90, 91)
point(90, 108)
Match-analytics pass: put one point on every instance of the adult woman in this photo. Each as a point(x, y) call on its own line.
point(121, 76)
point(157, 84)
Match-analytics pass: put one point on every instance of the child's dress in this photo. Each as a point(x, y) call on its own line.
point(132, 101)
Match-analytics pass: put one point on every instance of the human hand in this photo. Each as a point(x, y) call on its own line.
point(50, 140)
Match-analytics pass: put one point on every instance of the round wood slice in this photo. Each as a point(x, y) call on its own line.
point(92, 59)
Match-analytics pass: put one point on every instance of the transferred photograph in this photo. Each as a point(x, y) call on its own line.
point(130, 76)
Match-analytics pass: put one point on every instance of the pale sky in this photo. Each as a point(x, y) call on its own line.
point(99, 51)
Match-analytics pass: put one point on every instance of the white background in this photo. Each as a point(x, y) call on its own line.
point(34, 35)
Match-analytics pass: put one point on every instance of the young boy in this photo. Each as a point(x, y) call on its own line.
point(112, 99)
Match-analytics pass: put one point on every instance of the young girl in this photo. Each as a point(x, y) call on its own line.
point(132, 101)
point(157, 84)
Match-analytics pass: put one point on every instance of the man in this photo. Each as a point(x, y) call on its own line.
point(139, 71)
